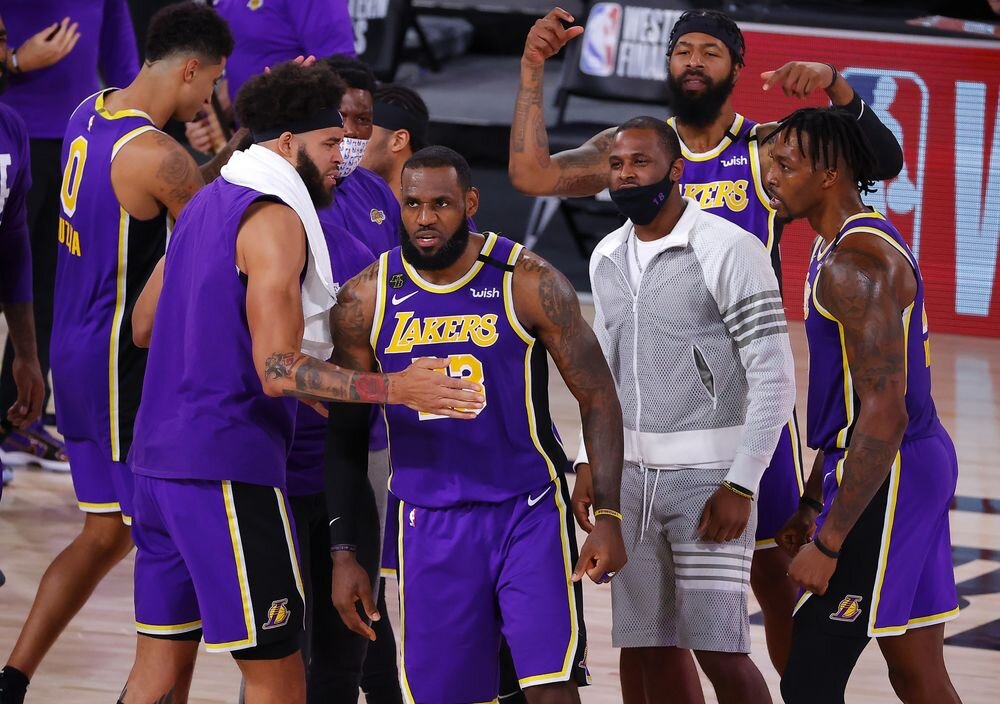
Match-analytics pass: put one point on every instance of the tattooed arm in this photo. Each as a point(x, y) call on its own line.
point(271, 251)
point(865, 285)
point(547, 306)
point(152, 172)
point(533, 171)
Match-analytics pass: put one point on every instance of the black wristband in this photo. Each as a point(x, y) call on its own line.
point(832, 554)
point(815, 505)
point(835, 75)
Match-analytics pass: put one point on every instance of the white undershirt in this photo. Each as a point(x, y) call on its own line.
point(640, 254)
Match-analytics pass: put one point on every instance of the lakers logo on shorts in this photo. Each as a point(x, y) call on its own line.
point(377, 216)
point(396, 281)
point(277, 615)
point(848, 609)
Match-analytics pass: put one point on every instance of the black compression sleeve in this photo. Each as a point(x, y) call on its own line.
point(346, 480)
point(888, 154)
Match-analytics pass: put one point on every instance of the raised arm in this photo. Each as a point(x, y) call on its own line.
point(533, 171)
point(865, 286)
point(547, 306)
point(802, 78)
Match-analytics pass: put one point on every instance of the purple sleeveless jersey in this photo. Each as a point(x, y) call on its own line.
point(511, 447)
point(833, 406)
point(204, 414)
point(726, 181)
point(105, 257)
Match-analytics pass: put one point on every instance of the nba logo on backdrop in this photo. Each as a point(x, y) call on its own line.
point(901, 99)
point(600, 40)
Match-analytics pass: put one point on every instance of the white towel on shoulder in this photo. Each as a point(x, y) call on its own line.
point(263, 170)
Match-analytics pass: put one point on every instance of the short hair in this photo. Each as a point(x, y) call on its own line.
point(190, 28)
point(290, 92)
point(668, 138)
point(354, 73)
point(439, 157)
point(409, 101)
point(834, 134)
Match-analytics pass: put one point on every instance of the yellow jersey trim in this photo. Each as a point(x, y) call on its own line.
point(563, 674)
point(129, 136)
point(883, 558)
point(116, 327)
point(921, 622)
point(508, 298)
point(400, 576)
point(108, 115)
point(758, 186)
point(848, 381)
point(171, 629)
point(109, 507)
point(491, 239)
point(712, 153)
point(383, 267)
point(241, 574)
point(290, 542)
point(883, 236)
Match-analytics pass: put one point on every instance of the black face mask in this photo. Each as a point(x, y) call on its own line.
point(641, 204)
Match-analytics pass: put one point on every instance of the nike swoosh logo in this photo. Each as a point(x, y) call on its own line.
point(396, 301)
point(533, 501)
point(335, 520)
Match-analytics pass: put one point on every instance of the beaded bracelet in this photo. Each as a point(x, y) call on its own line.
point(607, 512)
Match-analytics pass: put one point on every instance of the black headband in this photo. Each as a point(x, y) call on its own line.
point(321, 120)
point(707, 24)
point(393, 117)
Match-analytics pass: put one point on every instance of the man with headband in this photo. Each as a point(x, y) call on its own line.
point(401, 126)
point(706, 53)
point(245, 268)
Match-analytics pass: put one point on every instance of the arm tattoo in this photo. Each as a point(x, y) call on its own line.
point(176, 171)
point(279, 365)
point(857, 285)
point(577, 354)
point(529, 98)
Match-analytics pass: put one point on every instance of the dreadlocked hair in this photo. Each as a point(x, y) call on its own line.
point(834, 134)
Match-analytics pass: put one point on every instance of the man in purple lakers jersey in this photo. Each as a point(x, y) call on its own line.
point(122, 176)
point(879, 565)
point(486, 545)
point(723, 168)
point(216, 553)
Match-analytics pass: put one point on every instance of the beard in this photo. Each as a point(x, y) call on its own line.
point(449, 253)
point(699, 110)
point(313, 179)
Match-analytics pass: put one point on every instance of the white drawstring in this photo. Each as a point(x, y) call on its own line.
point(647, 500)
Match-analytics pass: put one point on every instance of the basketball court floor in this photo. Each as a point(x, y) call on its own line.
point(38, 517)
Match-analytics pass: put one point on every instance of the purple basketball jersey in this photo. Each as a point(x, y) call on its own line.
point(726, 181)
point(510, 448)
point(366, 207)
point(204, 414)
point(104, 259)
point(832, 405)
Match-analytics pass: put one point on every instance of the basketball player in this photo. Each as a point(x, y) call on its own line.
point(705, 56)
point(879, 565)
point(485, 538)
point(15, 263)
point(211, 516)
point(121, 178)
